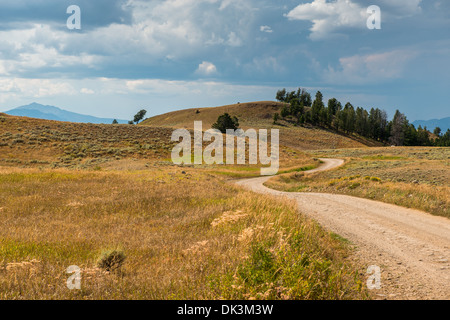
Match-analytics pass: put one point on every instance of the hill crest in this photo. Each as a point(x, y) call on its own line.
point(259, 115)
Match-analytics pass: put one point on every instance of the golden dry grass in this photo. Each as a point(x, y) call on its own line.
point(415, 177)
point(186, 236)
point(29, 142)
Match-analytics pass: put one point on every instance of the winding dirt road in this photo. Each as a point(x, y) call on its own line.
point(411, 247)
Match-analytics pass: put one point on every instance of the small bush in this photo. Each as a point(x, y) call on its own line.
point(261, 268)
point(354, 185)
point(111, 260)
point(372, 178)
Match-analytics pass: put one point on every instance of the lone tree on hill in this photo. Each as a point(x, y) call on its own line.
point(139, 116)
point(276, 116)
point(225, 122)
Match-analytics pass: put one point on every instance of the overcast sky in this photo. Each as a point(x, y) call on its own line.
point(174, 54)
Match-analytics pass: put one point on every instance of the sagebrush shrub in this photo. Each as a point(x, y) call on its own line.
point(111, 260)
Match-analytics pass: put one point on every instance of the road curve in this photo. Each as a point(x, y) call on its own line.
point(411, 247)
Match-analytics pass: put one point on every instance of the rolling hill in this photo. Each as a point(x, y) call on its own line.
point(259, 115)
point(39, 111)
point(31, 142)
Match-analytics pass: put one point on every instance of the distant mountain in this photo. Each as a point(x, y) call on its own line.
point(444, 124)
point(36, 110)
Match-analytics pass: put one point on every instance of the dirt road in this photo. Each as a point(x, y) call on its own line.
point(411, 247)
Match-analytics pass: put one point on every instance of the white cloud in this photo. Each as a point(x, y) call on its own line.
point(329, 18)
point(38, 47)
point(11, 88)
point(87, 91)
point(234, 40)
point(177, 29)
point(183, 27)
point(265, 29)
point(370, 68)
point(206, 69)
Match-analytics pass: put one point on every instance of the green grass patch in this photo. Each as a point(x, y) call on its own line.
point(301, 169)
point(383, 157)
point(286, 274)
point(14, 250)
point(53, 176)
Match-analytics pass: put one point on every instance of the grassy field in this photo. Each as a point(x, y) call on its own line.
point(185, 236)
point(71, 194)
point(415, 177)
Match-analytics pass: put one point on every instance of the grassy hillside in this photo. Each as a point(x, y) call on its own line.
point(260, 115)
point(71, 194)
point(33, 142)
point(28, 142)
